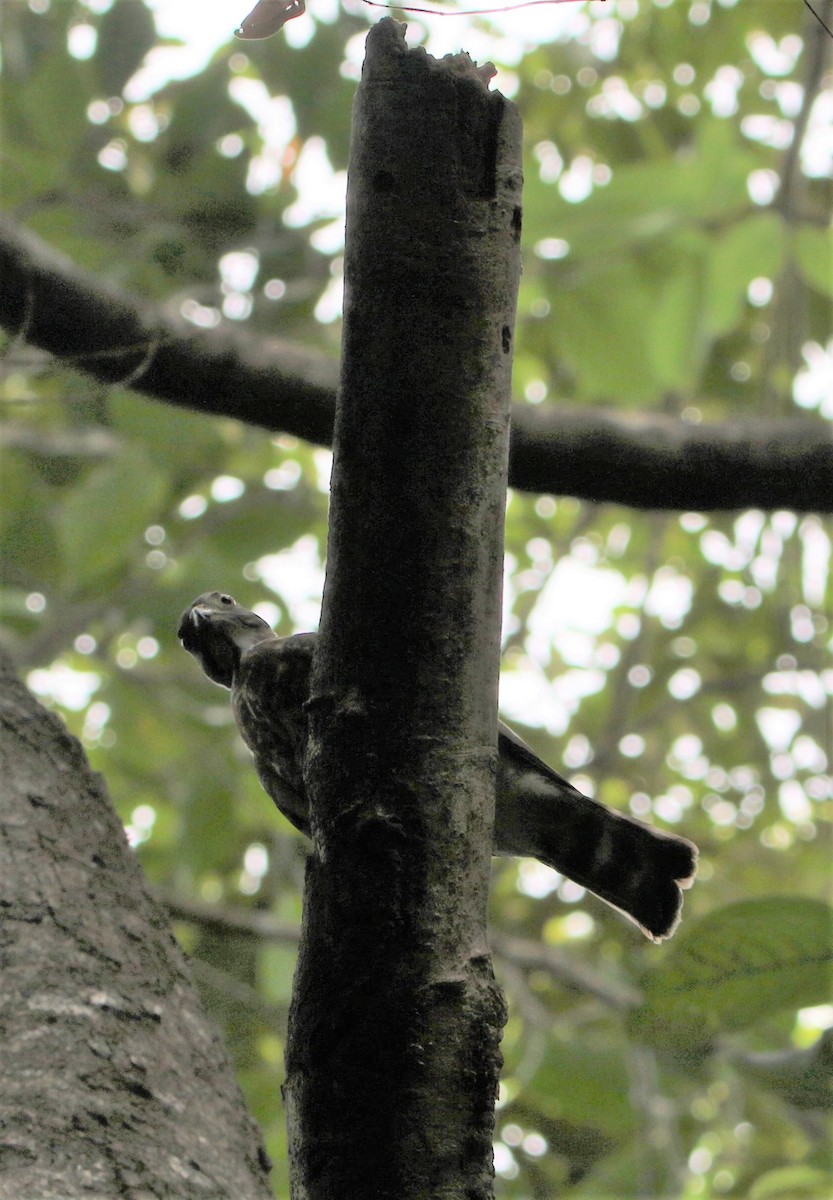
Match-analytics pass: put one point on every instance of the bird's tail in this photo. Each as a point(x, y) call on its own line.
point(637, 869)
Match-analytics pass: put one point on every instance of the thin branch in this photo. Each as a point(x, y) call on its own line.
point(818, 51)
point(464, 12)
point(233, 993)
point(91, 443)
point(230, 922)
point(520, 954)
point(571, 972)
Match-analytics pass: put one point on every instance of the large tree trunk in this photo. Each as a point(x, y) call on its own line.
point(112, 1081)
point(393, 1052)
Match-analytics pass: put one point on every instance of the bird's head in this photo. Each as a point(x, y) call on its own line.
point(218, 631)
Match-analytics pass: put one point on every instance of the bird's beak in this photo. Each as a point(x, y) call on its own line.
point(192, 619)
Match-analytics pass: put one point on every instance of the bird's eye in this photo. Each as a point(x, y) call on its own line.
point(224, 599)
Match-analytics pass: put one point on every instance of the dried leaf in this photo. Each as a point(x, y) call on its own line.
point(267, 17)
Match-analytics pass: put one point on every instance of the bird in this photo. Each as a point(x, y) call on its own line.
point(637, 869)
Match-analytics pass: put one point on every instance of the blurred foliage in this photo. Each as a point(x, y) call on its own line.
point(673, 664)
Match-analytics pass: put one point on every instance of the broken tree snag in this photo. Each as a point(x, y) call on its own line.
point(393, 1050)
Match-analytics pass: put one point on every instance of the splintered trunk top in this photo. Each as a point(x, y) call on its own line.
point(393, 1051)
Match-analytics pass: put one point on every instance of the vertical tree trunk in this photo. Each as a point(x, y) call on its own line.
point(393, 1053)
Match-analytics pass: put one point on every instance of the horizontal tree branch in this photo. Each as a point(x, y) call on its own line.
point(87, 323)
point(649, 460)
point(644, 460)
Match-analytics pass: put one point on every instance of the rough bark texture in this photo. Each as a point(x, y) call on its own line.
point(112, 1082)
point(393, 1054)
point(645, 460)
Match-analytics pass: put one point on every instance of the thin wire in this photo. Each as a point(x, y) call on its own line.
point(485, 12)
point(818, 18)
point(466, 12)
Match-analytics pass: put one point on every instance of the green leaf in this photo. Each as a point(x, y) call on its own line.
point(601, 331)
point(792, 1183)
point(277, 966)
point(801, 1077)
point(646, 201)
point(46, 110)
point(183, 441)
point(583, 1084)
point(750, 248)
point(742, 963)
point(103, 516)
point(27, 538)
point(675, 344)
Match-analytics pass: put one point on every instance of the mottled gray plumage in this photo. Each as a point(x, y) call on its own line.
point(633, 867)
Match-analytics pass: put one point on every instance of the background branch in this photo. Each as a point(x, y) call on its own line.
point(639, 459)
